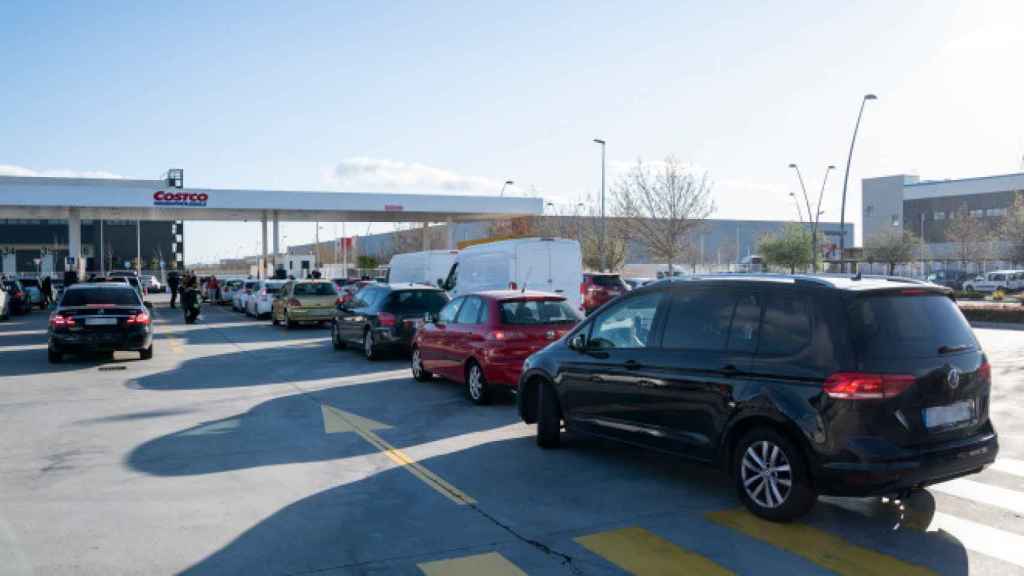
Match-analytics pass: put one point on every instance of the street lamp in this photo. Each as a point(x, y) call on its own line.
point(799, 212)
point(810, 218)
point(604, 222)
point(817, 218)
point(507, 183)
point(846, 179)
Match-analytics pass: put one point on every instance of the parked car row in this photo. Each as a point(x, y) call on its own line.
point(1001, 280)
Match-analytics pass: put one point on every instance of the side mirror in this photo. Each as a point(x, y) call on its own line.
point(578, 342)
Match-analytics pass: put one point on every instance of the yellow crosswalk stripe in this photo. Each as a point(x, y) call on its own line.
point(824, 549)
point(490, 564)
point(643, 553)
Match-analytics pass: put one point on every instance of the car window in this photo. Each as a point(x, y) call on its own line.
point(786, 329)
point(893, 326)
point(447, 314)
point(538, 312)
point(702, 320)
point(416, 301)
point(315, 289)
point(100, 296)
point(606, 281)
point(627, 324)
point(470, 311)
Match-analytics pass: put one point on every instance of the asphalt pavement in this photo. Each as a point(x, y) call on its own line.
point(243, 448)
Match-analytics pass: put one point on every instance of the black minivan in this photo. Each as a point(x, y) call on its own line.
point(796, 385)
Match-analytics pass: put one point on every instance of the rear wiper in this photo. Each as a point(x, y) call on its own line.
point(953, 349)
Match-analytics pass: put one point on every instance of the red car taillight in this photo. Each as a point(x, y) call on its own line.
point(985, 372)
point(140, 319)
point(859, 386)
point(386, 319)
point(294, 302)
point(61, 321)
point(505, 335)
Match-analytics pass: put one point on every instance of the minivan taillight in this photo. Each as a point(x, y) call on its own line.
point(386, 319)
point(860, 386)
point(985, 373)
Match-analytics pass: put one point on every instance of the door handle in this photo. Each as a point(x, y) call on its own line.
point(632, 365)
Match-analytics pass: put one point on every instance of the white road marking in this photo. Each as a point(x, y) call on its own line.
point(1009, 466)
point(995, 496)
point(992, 542)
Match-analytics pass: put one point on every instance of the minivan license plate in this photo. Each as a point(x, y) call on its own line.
point(956, 413)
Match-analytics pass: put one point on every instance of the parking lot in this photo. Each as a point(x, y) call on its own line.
point(243, 448)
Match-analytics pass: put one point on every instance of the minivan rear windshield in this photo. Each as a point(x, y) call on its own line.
point(890, 326)
point(525, 312)
point(92, 296)
point(417, 301)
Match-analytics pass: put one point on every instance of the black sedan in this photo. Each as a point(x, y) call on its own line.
point(100, 318)
point(384, 317)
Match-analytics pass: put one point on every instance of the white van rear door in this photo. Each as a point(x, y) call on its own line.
point(566, 272)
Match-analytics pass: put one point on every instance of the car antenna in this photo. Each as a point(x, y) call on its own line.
point(527, 280)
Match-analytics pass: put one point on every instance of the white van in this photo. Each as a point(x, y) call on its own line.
point(421, 267)
point(541, 264)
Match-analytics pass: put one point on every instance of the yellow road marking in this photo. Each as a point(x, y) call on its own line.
point(641, 552)
point(340, 421)
point(491, 563)
point(822, 548)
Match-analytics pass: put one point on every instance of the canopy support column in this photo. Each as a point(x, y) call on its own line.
point(75, 242)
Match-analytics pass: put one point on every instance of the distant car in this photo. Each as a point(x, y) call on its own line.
point(100, 317)
point(635, 283)
point(5, 304)
point(18, 302)
point(152, 285)
point(261, 302)
point(990, 282)
point(949, 278)
point(241, 295)
point(301, 301)
point(228, 290)
point(384, 317)
point(599, 288)
point(481, 340)
point(35, 292)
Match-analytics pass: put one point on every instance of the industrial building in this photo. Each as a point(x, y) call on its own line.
point(927, 207)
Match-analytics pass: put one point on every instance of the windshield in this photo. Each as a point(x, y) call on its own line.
point(896, 325)
point(417, 301)
point(527, 312)
point(607, 281)
point(315, 289)
point(273, 288)
point(94, 296)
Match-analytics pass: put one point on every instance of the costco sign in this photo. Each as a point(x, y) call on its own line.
point(162, 198)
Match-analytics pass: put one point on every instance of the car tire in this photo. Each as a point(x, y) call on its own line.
point(336, 340)
point(54, 356)
point(146, 354)
point(369, 346)
point(477, 389)
point(419, 373)
point(549, 425)
point(764, 461)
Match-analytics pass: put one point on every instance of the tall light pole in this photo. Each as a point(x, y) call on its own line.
point(507, 183)
point(604, 222)
point(810, 218)
point(846, 179)
point(799, 212)
point(818, 211)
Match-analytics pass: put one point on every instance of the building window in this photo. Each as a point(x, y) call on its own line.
point(977, 213)
point(995, 212)
point(939, 215)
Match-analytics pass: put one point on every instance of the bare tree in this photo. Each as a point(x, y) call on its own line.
point(970, 236)
point(893, 248)
point(660, 208)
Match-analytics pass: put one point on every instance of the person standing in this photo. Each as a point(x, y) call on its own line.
point(173, 282)
point(46, 286)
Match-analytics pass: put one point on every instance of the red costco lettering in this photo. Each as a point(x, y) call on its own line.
point(183, 198)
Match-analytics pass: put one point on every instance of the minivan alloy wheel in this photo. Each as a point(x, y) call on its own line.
point(766, 474)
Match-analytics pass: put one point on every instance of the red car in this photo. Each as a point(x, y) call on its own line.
point(600, 288)
point(481, 340)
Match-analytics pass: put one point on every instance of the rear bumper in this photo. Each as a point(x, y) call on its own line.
point(930, 466)
point(101, 341)
point(392, 339)
point(504, 373)
point(311, 314)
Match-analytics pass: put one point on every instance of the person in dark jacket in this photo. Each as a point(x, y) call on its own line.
point(46, 286)
point(173, 282)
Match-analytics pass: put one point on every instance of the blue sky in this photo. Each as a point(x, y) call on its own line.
point(416, 96)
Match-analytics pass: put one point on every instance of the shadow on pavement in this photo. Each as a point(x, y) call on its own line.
point(389, 520)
